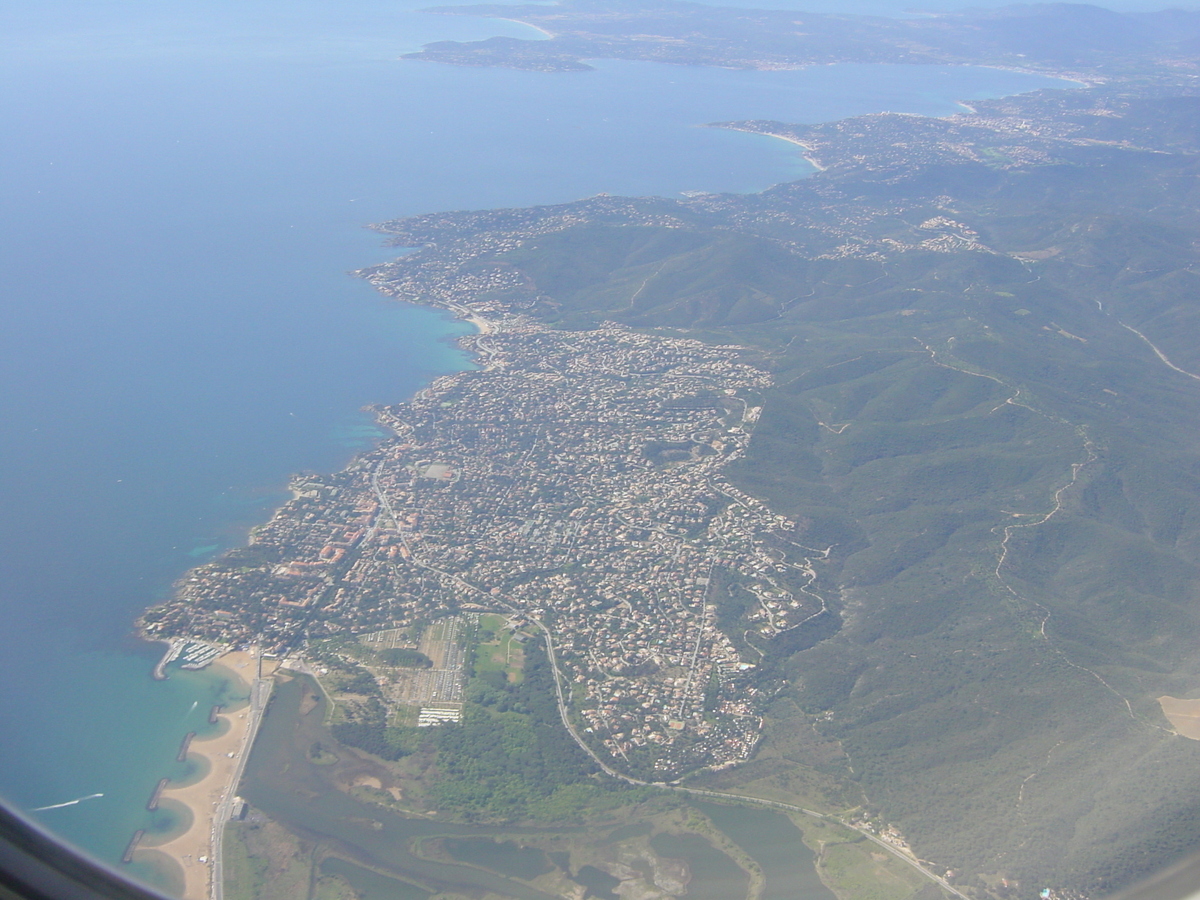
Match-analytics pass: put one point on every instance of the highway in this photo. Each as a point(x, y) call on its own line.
point(260, 693)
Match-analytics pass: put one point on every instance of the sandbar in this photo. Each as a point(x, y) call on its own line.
point(1183, 714)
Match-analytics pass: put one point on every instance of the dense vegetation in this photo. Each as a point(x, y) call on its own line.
point(404, 656)
point(366, 727)
point(510, 759)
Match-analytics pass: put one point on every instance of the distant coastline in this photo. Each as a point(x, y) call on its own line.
point(549, 34)
point(808, 148)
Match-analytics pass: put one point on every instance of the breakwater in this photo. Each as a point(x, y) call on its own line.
point(183, 746)
point(152, 803)
point(132, 845)
point(173, 650)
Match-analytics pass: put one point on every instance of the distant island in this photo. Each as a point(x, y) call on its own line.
point(875, 496)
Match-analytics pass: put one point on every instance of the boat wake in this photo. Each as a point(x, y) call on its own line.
point(68, 803)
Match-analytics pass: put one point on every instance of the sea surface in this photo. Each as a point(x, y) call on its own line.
point(185, 188)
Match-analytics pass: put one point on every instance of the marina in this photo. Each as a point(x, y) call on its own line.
point(195, 655)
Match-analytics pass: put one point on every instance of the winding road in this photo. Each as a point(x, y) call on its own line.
point(564, 715)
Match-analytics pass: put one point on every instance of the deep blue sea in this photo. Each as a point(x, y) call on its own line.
point(184, 189)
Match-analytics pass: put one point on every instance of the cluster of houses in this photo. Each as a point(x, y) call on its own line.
point(576, 480)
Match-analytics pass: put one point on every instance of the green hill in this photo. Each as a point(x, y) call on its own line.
point(986, 403)
point(1008, 475)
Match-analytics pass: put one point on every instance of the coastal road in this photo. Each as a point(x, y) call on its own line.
point(260, 693)
point(720, 795)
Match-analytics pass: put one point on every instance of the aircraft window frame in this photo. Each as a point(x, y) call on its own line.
point(36, 865)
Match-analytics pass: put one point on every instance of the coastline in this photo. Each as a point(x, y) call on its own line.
point(482, 325)
point(195, 856)
point(548, 34)
point(196, 850)
point(811, 160)
point(485, 326)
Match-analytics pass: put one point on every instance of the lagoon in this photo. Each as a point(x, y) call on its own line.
point(391, 860)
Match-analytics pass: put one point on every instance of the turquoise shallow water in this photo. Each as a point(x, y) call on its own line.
point(177, 331)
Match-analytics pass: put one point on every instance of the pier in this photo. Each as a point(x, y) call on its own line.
point(152, 803)
point(173, 651)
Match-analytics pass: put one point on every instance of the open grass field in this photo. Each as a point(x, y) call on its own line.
point(499, 649)
point(265, 861)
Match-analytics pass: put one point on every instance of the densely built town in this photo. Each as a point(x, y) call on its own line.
point(573, 482)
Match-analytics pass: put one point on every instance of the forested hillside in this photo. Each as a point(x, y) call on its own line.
point(987, 404)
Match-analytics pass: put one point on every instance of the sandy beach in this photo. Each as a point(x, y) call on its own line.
point(193, 849)
point(548, 34)
point(811, 160)
point(483, 325)
point(1183, 714)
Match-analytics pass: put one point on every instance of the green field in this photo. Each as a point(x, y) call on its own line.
point(498, 648)
point(264, 861)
